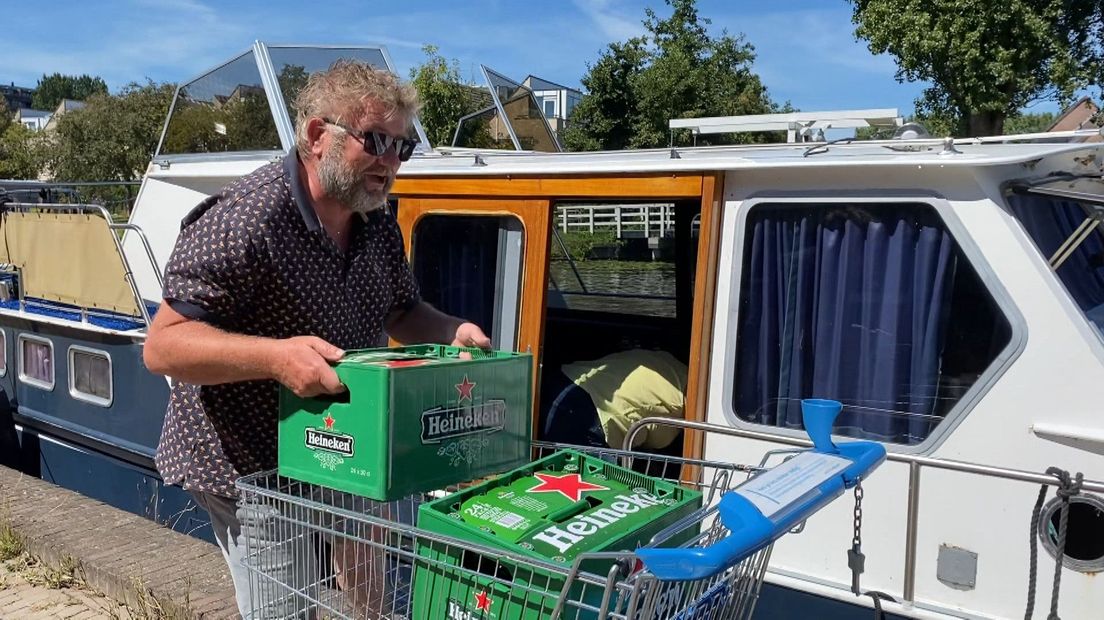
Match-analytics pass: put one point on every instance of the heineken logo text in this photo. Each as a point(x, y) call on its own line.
point(439, 424)
point(567, 535)
point(330, 442)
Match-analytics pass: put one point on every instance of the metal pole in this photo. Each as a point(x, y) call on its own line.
point(911, 527)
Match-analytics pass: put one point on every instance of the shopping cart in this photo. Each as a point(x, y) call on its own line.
point(313, 552)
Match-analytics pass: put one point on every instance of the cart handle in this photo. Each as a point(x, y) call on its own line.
point(749, 530)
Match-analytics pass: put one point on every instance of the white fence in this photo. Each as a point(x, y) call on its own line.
point(652, 220)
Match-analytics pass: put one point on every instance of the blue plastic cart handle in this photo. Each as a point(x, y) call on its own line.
point(749, 530)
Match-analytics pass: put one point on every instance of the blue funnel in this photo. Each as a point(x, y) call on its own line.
point(819, 415)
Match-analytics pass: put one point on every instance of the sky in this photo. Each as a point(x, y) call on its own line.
point(806, 50)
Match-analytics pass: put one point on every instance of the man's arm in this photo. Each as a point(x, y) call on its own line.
point(196, 352)
point(424, 323)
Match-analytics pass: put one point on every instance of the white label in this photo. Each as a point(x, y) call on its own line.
point(777, 488)
point(510, 520)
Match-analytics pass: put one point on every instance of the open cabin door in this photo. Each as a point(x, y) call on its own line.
point(480, 249)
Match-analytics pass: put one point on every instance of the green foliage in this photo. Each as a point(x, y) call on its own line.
point(675, 70)
point(6, 115)
point(580, 244)
point(52, 89)
point(986, 59)
point(292, 79)
point(113, 137)
point(20, 153)
point(1029, 123)
point(445, 98)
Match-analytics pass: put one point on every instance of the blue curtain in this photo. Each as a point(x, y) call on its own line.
point(456, 263)
point(1049, 222)
point(848, 303)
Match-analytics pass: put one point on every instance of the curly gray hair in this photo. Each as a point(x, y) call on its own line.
point(340, 93)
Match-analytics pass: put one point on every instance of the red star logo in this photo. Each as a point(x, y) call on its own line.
point(329, 421)
point(465, 388)
point(571, 485)
point(482, 602)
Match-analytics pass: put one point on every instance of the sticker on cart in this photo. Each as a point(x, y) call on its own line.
point(784, 484)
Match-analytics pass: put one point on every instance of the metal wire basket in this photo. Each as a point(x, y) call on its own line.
point(313, 552)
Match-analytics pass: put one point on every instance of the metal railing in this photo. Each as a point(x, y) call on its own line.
point(128, 272)
point(915, 463)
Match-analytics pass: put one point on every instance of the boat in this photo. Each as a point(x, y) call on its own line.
point(947, 291)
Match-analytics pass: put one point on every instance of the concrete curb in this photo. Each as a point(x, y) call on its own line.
point(154, 570)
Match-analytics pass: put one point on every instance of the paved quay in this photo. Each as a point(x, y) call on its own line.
point(159, 573)
point(26, 592)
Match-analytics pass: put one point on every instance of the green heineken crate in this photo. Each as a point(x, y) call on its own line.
point(414, 419)
point(553, 509)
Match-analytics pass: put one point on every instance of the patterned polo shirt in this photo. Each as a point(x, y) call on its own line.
point(254, 259)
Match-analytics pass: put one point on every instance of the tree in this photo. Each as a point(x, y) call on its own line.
point(675, 70)
point(445, 96)
point(5, 115)
point(986, 59)
point(113, 137)
point(1029, 123)
point(52, 89)
point(20, 156)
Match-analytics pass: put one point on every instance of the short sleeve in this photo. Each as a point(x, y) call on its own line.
point(404, 289)
point(210, 273)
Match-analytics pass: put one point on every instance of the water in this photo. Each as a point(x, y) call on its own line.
point(650, 285)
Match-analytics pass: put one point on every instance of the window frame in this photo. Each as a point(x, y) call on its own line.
point(501, 284)
point(4, 350)
point(731, 262)
point(72, 372)
point(34, 381)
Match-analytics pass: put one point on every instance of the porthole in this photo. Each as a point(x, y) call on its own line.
point(1084, 550)
point(90, 377)
point(36, 361)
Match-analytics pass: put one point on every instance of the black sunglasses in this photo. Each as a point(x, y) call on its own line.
point(377, 144)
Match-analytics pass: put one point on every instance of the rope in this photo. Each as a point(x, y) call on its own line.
point(1067, 488)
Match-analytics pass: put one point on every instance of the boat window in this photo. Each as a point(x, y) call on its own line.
point(615, 257)
point(36, 361)
point(294, 64)
point(872, 305)
point(224, 111)
point(471, 266)
point(1068, 234)
point(90, 375)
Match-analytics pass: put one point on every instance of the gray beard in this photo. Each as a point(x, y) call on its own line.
point(341, 182)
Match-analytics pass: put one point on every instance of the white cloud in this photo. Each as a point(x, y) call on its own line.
point(614, 22)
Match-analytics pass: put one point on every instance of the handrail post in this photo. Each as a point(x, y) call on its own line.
point(911, 527)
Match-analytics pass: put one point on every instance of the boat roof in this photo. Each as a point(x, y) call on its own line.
point(964, 153)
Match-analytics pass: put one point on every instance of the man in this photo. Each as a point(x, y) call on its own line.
point(272, 278)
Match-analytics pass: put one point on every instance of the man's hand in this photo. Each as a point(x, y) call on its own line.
point(302, 364)
point(470, 335)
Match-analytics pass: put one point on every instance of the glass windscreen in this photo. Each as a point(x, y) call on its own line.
point(522, 113)
point(225, 110)
point(294, 64)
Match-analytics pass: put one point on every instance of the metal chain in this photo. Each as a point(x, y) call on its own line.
point(857, 539)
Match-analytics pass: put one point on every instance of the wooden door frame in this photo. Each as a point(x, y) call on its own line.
point(531, 200)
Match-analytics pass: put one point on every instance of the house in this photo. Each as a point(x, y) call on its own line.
point(66, 105)
point(555, 100)
point(1080, 115)
point(34, 120)
point(16, 97)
